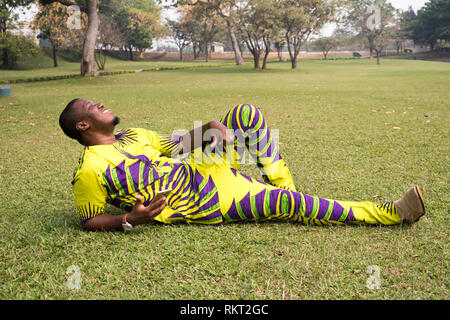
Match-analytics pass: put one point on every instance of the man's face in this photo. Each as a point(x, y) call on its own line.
point(96, 115)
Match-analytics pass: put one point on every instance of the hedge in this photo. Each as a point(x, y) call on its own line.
point(109, 73)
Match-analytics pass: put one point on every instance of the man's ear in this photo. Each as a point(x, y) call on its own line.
point(82, 126)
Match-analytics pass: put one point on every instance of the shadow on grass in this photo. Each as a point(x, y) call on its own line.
point(68, 221)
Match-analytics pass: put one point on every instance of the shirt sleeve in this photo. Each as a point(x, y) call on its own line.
point(168, 145)
point(90, 195)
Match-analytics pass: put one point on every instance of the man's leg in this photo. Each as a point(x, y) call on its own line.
point(244, 198)
point(252, 133)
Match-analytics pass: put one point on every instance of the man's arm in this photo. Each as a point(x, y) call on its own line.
point(215, 130)
point(139, 214)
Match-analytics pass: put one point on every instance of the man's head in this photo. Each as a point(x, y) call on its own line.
point(81, 118)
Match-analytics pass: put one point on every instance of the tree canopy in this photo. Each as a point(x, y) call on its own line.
point(432, 23)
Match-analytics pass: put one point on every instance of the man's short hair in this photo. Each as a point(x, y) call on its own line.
point(68, 120)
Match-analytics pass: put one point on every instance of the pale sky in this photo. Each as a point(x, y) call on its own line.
point(328, 29)
point(398, 4)
point(404, 4)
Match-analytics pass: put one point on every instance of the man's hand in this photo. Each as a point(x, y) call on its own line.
point(213, 132)
point(141, 214)
point(220, 134)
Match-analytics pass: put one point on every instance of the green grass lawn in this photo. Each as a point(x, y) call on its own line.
point(42, 65)
point(349, 130)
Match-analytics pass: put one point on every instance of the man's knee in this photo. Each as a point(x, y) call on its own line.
point(243, 117)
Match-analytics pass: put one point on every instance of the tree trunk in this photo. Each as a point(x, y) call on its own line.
point(4, 50)
point(235, 44)
point(292, 55)
point(88, 65)
point(5, 58)
point(267, 45)
point(206, 51)
point(294, 63)
point(264, 66)
point(256, 56)
point(196, 51)
point(55, 62)
point(378, 54)
point(181, 54)
point(131, 56)
point(242, 52)
point(280, 54)
point(100, 58)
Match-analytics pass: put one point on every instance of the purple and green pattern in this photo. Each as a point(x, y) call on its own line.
point(194, 198)
point(252, 133)
point(279, 204)
point(88, 211)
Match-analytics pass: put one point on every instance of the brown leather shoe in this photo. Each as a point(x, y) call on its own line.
point(410, 208)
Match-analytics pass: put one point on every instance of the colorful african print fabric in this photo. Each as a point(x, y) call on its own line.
point(141, 162)
point(253, 134)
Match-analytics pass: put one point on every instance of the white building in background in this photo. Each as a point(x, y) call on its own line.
point(217, 47)
point(24, 22)
point(26, 31)
point(417, 48)
point(163, 44)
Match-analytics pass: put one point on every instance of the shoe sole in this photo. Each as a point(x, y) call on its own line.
point(419, 193)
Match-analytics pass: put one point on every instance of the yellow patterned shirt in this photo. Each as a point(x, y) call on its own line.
point(138, 163)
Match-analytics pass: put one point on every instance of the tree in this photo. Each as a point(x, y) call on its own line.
point(270, 25)
point(8, 20)
point(251, 30)
point(301, 18)
point(345, 39)
point(51, 20)
point(372, 20)
point(16, 47)
point(432, 23)
point(181, 35)
point(279, 45)
point(208, 23)
point(402, 30)
point(7, 16)
point(325, 44)
point(382, 40)
point(109, 38)
point(258, 27)
point(192, 28)
point(227, 10)
point(88, 65)
point(137, 22)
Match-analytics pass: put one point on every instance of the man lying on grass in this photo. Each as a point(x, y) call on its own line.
point(129, 167)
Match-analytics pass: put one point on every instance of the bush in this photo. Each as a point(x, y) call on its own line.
point(13, 47)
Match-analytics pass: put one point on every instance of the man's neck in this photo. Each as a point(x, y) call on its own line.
point(99, 139)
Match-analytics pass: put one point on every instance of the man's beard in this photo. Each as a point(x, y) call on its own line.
point(116, 121)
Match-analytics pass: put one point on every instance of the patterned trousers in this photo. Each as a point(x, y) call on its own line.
point(239, 197)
